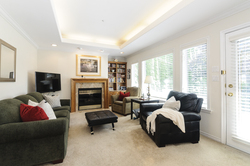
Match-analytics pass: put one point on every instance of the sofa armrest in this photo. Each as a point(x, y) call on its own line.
point(150, 107)
point(128, 99)
point(22, 131)
point(114, 98)
point(65, 102)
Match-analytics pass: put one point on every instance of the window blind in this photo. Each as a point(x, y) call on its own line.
point(241, 115)
point(194, 71)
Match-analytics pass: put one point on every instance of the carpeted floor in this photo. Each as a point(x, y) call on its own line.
point(129, 145)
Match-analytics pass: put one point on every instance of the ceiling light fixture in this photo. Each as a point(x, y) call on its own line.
point(122, 52)
point(79, 48)
point(53, 45)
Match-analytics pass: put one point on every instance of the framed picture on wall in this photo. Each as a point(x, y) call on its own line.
point(87, 65)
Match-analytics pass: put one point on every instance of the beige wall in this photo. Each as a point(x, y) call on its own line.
point(211, 122)
point(65, 64)
point(26, 62)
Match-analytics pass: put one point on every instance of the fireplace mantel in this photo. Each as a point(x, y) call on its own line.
point(74, 81)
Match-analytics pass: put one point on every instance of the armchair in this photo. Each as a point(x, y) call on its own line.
point(124, 107)
point(165, 131)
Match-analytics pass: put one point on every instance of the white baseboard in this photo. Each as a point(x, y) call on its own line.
point(210, 136)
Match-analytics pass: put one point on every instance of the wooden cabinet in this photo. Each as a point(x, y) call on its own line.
point(117, 75)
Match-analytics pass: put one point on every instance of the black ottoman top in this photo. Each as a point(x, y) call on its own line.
point(100, 117)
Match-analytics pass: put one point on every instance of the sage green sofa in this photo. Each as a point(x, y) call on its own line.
point(36, 142)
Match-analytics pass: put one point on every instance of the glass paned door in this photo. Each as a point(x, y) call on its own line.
point(238, 90)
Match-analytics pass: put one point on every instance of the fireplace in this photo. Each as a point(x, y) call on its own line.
point(89, 98)
point(81, 83)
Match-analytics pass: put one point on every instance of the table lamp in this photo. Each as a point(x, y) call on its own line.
point(148, 80)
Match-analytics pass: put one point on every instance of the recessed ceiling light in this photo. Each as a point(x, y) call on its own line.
point(54, 45)
point(79, 48)
point(122, 52)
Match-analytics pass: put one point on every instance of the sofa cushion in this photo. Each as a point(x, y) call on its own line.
point(38, 96)
point(9, 111)
point(188, 100)
point(122, 95)
point(25, 98)
point(54, 101)
point(29, 113)
point(46, 107)
point(172, 104)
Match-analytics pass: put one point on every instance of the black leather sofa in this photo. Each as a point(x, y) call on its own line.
point(168, 133)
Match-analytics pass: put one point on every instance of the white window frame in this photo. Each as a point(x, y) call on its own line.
point(131, 74)
point(159, 54)
point(193, 44)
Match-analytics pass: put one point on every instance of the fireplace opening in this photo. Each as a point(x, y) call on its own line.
point(89, 98)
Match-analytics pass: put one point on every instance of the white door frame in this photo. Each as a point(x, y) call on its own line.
point(223, 77)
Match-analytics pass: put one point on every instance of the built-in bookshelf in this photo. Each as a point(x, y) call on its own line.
point(117, 75)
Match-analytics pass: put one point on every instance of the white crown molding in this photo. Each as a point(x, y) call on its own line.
point(16, 26)
point(83, 52)
point(72, 41)
point(164, 17)
point(224, 15)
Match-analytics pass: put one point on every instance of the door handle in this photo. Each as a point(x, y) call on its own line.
point(230, 94)
point(230, 86)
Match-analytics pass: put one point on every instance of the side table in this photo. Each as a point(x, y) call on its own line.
point(140, 102)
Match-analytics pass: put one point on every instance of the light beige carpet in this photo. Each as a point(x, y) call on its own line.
point(129, 145)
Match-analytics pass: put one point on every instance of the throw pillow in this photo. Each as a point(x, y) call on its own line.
point(32, 103)
point(172, 104)
point(54, 101)
point(122, 95)
point(29, 113)
point(47, 109)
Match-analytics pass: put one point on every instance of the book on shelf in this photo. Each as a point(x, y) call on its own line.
point(112, 79)
point(120, 80)
point(120, 70)
point(121, 66)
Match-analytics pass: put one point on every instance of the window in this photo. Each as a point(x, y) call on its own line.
point(161, 69)
point(194, 71)
point(135, 76)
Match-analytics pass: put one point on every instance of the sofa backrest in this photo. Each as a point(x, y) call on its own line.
point(134, 91)
point(10, 111)
point(189, 101)
point(26, 98)
point(38, 96)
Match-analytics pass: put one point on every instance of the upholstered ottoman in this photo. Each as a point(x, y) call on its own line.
point(99, 118)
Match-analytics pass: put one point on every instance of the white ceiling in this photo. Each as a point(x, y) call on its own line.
point(111, 25)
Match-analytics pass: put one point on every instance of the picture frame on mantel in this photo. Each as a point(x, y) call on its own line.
point(88, 65)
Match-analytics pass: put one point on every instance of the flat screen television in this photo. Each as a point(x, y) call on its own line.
point(48, 82)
